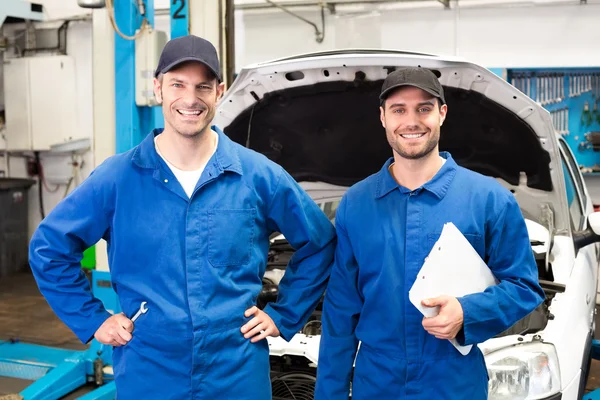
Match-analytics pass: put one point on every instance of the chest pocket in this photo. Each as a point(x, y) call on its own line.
point(474, 238)
point(230, 236)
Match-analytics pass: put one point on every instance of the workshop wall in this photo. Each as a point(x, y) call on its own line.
point(540, 35)
point(57, 9)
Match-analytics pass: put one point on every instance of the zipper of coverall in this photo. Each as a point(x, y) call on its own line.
point(211, 178)
point(411, 194)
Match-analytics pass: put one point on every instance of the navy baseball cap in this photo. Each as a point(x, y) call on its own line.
point(422, 78)
point(188, 48)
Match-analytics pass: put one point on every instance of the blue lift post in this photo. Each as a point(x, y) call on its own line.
point(57, 372)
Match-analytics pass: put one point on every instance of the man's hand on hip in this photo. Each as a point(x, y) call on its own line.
point(448, 322)
point(260, 326)
point(115, 331)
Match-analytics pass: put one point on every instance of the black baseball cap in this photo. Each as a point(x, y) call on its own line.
point(422, 78)
point(188, 48)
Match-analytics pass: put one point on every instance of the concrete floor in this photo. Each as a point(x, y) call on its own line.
point(593, 381)
point(25, 315)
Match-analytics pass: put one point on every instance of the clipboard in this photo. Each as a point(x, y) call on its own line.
point(453, 268)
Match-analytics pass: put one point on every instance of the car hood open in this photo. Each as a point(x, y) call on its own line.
point(317, 115)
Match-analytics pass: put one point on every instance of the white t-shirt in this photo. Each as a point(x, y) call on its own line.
point(392, 164)
point(188, 179)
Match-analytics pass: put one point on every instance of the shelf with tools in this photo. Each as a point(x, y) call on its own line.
point(571, 95)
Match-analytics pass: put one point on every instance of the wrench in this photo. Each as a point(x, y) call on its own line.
point(588, 85)
point(143, 310)
point(570, 86)
point(558, 126)
point(543, 90)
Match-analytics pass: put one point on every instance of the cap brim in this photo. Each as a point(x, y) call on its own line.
point(384, 94)
point(187, 59)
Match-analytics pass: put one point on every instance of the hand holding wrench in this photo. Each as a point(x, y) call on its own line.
point(143, 310)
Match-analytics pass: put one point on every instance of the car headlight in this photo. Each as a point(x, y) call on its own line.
point(524, 372)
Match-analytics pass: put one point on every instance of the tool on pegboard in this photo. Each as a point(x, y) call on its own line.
point(559, 87)
point(553, 89)
point(565, 91)
point(596, 87)
point(549, 88)
point(560, 120)
point(587, 117)
point(571, 85)
point(555, 96)
point(595, 114)
point(593, 141)
point(574, 85)
point(543, 78)
point(523, 83)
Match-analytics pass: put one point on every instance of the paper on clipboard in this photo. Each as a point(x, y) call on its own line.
point(453, 268)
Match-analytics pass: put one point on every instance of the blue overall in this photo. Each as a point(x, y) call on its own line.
point(198, 263)
point(385, 231)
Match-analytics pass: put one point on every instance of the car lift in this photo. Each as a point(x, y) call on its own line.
point(57, 372)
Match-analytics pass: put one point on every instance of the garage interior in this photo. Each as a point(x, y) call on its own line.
point(76, 88)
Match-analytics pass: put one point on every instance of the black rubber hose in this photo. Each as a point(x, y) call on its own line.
point(38, 164)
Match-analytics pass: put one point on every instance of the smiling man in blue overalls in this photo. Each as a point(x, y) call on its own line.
point(187, 216)
point(386, 226)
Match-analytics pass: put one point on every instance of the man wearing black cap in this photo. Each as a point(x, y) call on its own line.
point(187, 216)
point(386, 226)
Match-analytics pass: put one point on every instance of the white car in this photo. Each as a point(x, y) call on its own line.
point(317, 115)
